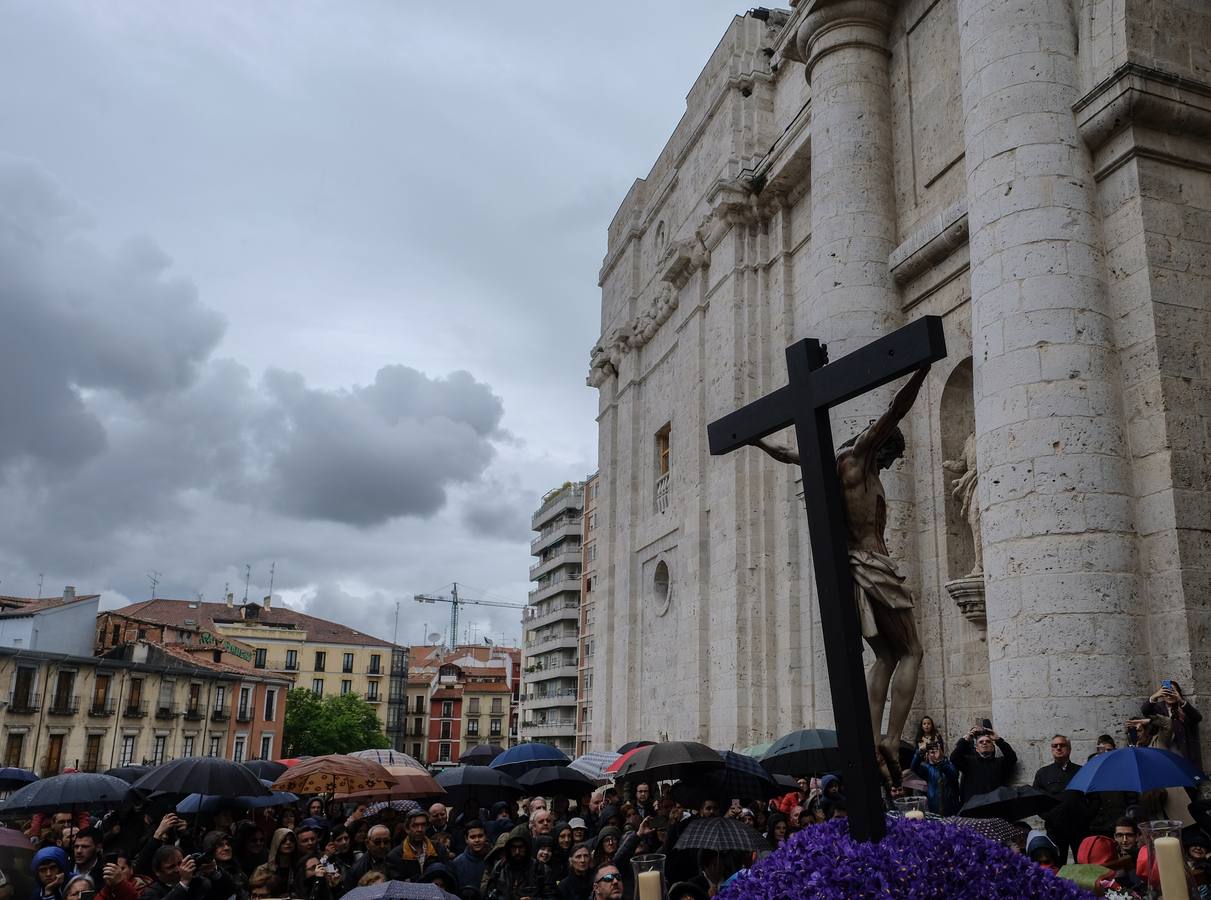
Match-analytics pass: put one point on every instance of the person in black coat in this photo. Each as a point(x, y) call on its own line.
point(578, 883)
point(1068, 821)
point(975, 756)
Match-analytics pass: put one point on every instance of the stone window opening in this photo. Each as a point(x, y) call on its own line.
point(661, 588)
point(663, 450)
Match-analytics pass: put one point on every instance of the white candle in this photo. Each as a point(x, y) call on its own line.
point(914, 814)
point(649, 885)
point(1172, 868)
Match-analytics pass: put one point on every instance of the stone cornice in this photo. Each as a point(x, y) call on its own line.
point(929, 244)
point(1137, 95)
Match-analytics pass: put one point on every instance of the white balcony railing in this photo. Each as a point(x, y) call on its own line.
point(662, 493)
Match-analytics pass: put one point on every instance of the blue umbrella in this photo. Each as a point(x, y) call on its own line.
point(1135, 769)
point(11, 779)
point(520, 759)
point(212, 803)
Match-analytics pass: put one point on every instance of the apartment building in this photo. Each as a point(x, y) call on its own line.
point(551, 620)
point(458, 698)
point(588, 570)
point(325, 657)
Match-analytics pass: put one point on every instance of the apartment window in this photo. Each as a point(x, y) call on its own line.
point(158, 746)
point(346, 686)
point(375, 663)
point(292, 660)
point(372, 690)
point(187, 745)
point(418, 728)
point(596, 487)
point(420, 704)
point(92, 753)
point(416, 752)
point(447, 708)
point(347, 662)
point(473, 728)
point(117, 634)
point(195, 700)
point(13, 748)
point(592, 521)
point(321, 659)
point(245, 703)
point(100, 692)
point(588, 713)
point(23, 687)
point(445, 734)
point(259, 658)
point(237, 752)
point(443, 752)
point(317, 686)
point(165, 701)
point(267, 746)
point(494, 727)
point(213, 750)
point(271, 702)
point(128, 750)
point(497, 706)
point(64, 684)
point(591, 552)
point(220, 697)
point(663, 443)
point(473, 707)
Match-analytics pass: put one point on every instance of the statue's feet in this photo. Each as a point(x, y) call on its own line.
point(891, 757)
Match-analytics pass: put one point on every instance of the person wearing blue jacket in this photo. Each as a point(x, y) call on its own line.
point(942, 778)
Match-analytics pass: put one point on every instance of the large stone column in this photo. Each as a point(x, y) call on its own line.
point(853, 300)
point(1064, 626)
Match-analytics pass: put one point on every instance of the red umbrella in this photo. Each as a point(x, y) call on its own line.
point(293, 761)
point(612, 768)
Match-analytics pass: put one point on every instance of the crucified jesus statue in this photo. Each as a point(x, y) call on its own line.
point(885, 605)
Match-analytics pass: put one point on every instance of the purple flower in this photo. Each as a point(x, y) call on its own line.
point(916, 860)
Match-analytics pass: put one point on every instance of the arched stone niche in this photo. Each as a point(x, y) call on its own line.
point(965, 575)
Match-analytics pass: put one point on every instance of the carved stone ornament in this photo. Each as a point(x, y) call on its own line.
point(968, 595)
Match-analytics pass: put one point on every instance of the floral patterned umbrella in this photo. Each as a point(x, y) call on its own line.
point(410, 783)
point(334, 773)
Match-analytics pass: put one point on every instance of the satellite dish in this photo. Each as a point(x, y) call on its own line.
point(434, 637)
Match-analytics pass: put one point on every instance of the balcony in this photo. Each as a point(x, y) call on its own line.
point(291, 666)
point(166, 710)
point(550, 700)
point(135, 709)
point(220, 714)
point(560, 501)
point(23, 706)
point(568, 610)
point(101, 708)
point(244, 714)
point(561, 726)
point(374, 698)
point(396, 728)
point(374, 670)
point(194, 713)
point(662, 493)
point(569, 640)
point(64, 706)
point(548, 673)
point(555, 586)
point(553, 534)
point(564, 555)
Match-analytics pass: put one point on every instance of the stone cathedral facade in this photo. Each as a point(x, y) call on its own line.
point(1038, 174)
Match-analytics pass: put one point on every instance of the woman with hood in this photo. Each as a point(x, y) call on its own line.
point(606, 845)
point(50, 866)
point(283, 850)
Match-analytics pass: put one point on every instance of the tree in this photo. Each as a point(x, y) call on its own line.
point(339, 724)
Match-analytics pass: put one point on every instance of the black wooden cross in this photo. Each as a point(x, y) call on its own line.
point(815, 386)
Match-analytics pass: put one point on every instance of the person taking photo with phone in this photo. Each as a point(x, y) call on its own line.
point(1169, 701)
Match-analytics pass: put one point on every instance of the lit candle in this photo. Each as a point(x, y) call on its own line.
point(649, 885)
point(914, 814)
point(1172, 868)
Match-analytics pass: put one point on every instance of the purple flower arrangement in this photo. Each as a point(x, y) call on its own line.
point(916, 860)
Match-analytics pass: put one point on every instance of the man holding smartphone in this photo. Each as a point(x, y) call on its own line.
point(1169, 701)
point(980, 768)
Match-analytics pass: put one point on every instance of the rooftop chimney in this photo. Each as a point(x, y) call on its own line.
point(69, 594)
point(268, 601)
point(230, 601)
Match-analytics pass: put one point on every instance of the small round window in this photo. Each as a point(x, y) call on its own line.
point(662, 591)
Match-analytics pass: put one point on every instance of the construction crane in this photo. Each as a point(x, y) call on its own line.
point(455, 602)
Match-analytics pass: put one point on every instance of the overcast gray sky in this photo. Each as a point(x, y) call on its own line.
point(313, 284)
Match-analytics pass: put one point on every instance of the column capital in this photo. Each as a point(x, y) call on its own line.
point(833, 24)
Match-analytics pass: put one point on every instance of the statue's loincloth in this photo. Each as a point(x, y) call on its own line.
point(878, 588)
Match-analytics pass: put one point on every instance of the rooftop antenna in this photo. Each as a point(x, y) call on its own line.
point(272, 566)
point(247, 578)
point(154, 577)
point(40, 577)
point(395, 631)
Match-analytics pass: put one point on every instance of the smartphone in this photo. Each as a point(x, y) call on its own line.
point(986, 724)
point(1167, 685)
point(87, 895)
point(110, 859)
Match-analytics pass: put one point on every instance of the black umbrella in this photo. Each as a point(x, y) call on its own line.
point(202, 775)
point(804, 752)
point(400, 890)
point(741, 776)
point(994, 829)
point(76, 790)
point(266, 769)
point(487, 785)
point(481, 754)
point(634, 745)
point(557, 781)
point(669, 760)
point(1010, 803)
point(13, 778)
point(719, 833)
point(129, 774)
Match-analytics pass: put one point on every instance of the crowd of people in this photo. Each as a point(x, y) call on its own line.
point(581, 848)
